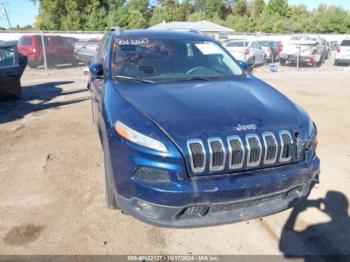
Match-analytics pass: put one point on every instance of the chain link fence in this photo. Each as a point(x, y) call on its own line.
point(55, 50)
point(48, 50)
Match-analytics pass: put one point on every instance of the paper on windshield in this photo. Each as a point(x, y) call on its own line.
point(208, 49)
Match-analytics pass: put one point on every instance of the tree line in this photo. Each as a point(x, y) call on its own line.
point(272, 16)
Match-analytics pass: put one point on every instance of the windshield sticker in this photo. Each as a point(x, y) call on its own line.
point(132, 41)
point(208, 49)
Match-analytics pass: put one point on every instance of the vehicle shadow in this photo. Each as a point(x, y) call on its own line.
point(328, 241)
point(36, 98)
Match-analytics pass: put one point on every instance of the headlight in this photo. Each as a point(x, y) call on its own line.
point(312, 139)
point(138, 138)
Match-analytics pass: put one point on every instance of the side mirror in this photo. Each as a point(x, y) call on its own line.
point(96, 70)
point(248, 67)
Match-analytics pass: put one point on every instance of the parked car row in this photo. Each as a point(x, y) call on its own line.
point(302, 50)
point(58, 50)
point(253, 51)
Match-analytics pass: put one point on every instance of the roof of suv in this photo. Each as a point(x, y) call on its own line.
point(8, 43)
point(165, 34)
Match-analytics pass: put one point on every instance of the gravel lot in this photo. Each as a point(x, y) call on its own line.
point(52, 183)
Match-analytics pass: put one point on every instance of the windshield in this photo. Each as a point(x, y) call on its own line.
point(266, 43)
point(171, 60)
point(236, 44)
point(303, 38)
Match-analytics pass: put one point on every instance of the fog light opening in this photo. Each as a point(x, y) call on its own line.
point(152, 175)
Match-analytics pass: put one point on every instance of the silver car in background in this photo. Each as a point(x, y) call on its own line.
point(85, 50)
point(272, 49)
point(248, 51)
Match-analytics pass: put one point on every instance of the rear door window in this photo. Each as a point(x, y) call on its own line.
point(236, 44)
point(58, 41)
point(25, 41)
point(254, 45)
point(71, 41)
point(345, 43)
point(7, 56)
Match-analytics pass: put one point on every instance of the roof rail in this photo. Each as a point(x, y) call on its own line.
point(117, 30)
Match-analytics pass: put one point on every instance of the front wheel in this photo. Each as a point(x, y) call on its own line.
point(282, 62)
point(109, 193)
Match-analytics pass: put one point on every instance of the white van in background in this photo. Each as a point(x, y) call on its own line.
point(342, 56)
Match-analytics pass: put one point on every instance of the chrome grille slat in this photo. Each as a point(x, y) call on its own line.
point(286, 143)
point(254, 150)
point(236, 152)
point(271, 148)
point(217, 154)
point(197, 154)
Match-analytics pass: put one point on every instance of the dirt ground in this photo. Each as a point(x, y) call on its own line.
point(52, 183)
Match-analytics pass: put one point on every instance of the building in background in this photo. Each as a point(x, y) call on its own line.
point(214, 30)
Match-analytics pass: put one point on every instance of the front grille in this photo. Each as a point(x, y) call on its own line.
point(217, 154)
point(197, 154)
point(236, 152)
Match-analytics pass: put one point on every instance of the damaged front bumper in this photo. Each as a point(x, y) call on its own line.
point(275, 189)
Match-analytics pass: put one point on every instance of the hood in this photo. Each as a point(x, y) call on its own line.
point(202, 109)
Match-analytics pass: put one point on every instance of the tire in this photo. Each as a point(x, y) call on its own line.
point(18, 95)
point(252, 61)
point(51, 61)
point(109, 192)
point(75, 63)
point(32, 65)
point(282, 62)
point(319, 63)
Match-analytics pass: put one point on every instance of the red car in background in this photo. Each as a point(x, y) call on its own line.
point(58, 49)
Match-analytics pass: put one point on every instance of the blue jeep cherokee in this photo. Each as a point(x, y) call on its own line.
point(190, 137)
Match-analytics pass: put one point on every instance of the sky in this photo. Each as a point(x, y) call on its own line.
point(23, 12)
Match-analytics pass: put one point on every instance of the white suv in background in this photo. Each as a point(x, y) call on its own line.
point(342, 56)
point(247, 51)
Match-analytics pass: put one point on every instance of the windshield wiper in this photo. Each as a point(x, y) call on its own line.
point(201, 78)
point(133, 79)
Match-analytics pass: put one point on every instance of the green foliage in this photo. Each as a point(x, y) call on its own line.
point(197, 16)
point(271, 16)
point(278, 7)
point(136, 20)
point(240, 7)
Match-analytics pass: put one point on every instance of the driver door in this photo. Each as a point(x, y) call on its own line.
point(10, 74)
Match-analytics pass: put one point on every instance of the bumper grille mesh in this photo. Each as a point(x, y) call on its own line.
point(217, 155)
point(254, 150)
point(270, 148)
point(286, 143)
point(236, 148)
point(197, 156)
